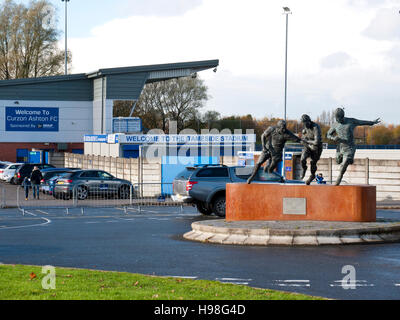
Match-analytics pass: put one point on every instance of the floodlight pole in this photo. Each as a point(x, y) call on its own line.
point(66, 36)
point(286, 12)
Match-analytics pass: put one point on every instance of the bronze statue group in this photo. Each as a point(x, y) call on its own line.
point(342, 132)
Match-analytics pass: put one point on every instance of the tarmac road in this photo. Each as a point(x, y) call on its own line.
point(150, 242)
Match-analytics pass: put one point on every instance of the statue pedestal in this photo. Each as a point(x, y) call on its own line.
point(284, 202)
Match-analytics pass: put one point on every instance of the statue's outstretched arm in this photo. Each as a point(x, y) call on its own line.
point(289, 135)
point(358, 122)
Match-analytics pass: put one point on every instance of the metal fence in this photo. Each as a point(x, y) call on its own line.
point(2, 197)
point(81, 196)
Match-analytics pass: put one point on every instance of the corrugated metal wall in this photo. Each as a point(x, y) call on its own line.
point(71, 90)
point(126, 86)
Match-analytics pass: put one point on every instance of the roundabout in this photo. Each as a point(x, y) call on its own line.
point(293, 233)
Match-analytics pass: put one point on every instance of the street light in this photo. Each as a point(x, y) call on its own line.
point(66, 36)
point(286, 12)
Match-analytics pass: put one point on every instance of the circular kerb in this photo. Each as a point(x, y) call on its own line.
point(291, 233)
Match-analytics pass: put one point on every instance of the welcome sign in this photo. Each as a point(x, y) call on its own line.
point(32, 119)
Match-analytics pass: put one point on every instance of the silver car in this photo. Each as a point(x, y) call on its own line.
point(205, 185)
point(85, 183)
point(8, 171)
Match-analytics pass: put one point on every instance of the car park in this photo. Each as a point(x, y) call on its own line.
point(8, 171)
point(85, 183)
point(26, 169)
point(205, 185)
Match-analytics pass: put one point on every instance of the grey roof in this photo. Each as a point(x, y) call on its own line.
point(195, 66)
point(122, 83)
point(15, 82)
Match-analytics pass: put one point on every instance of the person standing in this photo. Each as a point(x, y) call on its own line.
point(36, 177)
point(26, 184)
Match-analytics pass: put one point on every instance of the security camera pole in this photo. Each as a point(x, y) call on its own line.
point(286, 11)
point(66, 37)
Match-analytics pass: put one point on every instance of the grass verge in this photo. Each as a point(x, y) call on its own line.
point(25, 283)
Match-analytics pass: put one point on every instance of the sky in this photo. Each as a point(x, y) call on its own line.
point(342, 53)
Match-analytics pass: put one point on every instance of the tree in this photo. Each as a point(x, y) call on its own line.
point(380, 135)
point(176, 99)
point(28, 41)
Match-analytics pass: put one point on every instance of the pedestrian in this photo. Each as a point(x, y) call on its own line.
point(26, 184)
point(36, 177)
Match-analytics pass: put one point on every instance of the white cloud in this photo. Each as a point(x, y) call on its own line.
point(330, 62)
point(386, 25)
point(337, 60)
point(162, 7)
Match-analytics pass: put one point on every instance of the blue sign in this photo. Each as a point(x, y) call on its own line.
point(32, 119)
point(288, 156)
point(101, 138)
point(127, 125)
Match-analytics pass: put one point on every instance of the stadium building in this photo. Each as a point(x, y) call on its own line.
point(54, 114)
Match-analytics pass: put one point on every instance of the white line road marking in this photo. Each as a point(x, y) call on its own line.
point(356, 283)
point(234, 281)
point(42, 212)
point(32, 214)
point(292, 283)
point(47, 221)
point(181, 277)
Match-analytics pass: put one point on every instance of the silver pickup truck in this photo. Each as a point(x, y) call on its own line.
point(205, 185)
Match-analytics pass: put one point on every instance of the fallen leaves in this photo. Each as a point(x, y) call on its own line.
point(32, 276)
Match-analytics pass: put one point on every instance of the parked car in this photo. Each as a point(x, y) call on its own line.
point(3, 165)
point(85, 183)
point(205, 186)
point(48, 174)
point(26, 169)
point(7, 173)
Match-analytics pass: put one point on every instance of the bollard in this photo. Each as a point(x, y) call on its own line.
point(82, 211)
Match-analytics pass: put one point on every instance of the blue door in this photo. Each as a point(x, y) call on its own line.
point(22, 155)
point(35, 157)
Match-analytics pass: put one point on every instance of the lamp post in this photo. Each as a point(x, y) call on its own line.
point(286, 12)
point(66, 36)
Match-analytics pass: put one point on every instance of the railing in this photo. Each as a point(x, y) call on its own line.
point(2, 197)
point(101, 196)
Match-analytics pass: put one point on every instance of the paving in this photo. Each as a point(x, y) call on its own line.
point(294, 232)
